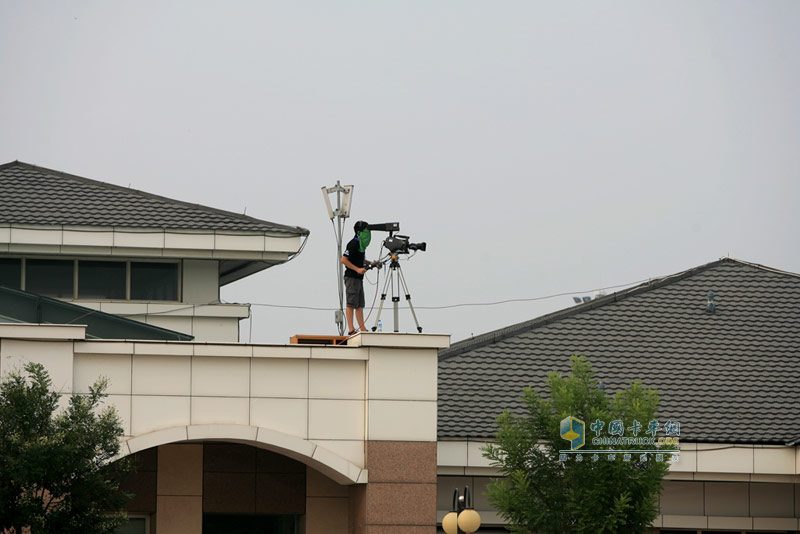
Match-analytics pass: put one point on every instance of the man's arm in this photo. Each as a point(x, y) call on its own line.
point(347, 263)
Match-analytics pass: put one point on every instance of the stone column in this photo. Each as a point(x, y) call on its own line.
point(400, 497)
point(179, 498)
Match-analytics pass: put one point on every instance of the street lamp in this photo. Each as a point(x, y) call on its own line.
point(462, 518)
point(344, 195)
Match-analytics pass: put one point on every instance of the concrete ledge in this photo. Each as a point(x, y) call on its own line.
point(400, 340)
point(42, 331)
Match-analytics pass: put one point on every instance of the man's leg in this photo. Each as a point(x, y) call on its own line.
point(360, 318)
point(349, 313)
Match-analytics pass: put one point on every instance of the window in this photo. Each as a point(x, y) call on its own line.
point(101, 279)
point(93, 279)
point(134, 525)
point(11, 273)
point(154, 281)
point(51, 278)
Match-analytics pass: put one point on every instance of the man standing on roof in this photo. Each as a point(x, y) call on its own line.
point(353, 260)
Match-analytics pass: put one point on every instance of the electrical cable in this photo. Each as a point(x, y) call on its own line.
point(472, 304)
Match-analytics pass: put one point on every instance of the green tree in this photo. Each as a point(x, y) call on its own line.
point(539, 493)
point(56, 473)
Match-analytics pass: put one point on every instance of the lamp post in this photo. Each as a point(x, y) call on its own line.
point(344, 194)
point(462, 518)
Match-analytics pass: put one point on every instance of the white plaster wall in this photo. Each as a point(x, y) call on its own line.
point(200, 281)
point(56, 356)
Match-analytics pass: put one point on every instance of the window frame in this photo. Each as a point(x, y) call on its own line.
point(76, 275)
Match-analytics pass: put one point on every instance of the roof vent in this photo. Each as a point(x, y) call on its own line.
point(711, 306)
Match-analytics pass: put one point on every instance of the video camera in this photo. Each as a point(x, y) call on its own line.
point(396, 243)
point(400, 244)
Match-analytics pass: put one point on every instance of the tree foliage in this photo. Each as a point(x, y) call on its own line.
point(541, 494)
point(56, 474)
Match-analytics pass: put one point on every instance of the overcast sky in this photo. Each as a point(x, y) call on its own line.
point(538, 148)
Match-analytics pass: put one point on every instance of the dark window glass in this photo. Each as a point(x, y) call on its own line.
point(51, 278)
point(134, 525)
point(154, 281)
point(10, 273)
point(101, 279)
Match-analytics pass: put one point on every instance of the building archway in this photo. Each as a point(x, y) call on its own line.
point(312, 454)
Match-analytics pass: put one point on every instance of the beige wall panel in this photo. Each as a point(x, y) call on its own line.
point(771, 500)
point(774, 523)
point(479, 489)
point(122, 404)
point(451, 453)
point(160, 375)
point(276, 377)
point(335, 419)
point(224, 329)
point(774, 460)
point(226, 350)
point(684, 521)
point(55, 356)
point(149, 413)
point(88, 238)
point(336, 379)
point(124, 308)
point(397, 374)
point(170, 322)
point(163, 348)
point(188, 240)
point(180, 469)
point(5, 234)
point(687, 462)
point(139, 239)
point(200, 281)
point(723, 477)
point(475, 457)
point(682, 498)
point(318, 485)
point(87, 368)
point(219, 410)
point(281, 351)
point(36, 237)
point(712, 458)
point(727, 499)
point(282, 244)
point(179, 515)
point(733, 523)
point(339, 353)
point(402, 420)
point(239, 242)
point(352, 451)
point(103, 347)
point(220, 377)
point(34, 249)
point(289, 416)
point(326, 515)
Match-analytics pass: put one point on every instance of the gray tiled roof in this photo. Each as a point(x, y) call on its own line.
point(729, 376)
point(34, 195)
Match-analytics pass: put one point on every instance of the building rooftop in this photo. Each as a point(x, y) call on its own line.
point(731, 376)
point(39, 196)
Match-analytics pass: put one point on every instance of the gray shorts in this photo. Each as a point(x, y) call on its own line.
point(354, 289)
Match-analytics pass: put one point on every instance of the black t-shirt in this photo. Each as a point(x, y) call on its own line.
point(356, 257)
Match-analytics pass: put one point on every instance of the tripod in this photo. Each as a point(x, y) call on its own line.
point(396, 280)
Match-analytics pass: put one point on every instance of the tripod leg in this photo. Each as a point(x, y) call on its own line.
point(383, 299)
point(402, 280)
